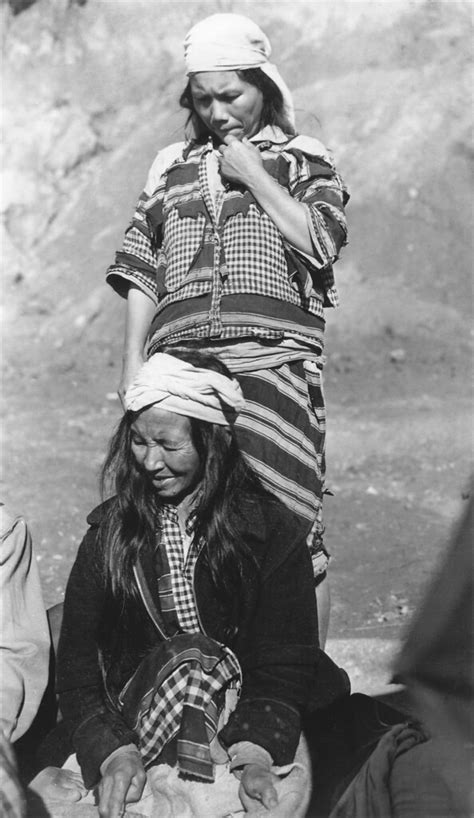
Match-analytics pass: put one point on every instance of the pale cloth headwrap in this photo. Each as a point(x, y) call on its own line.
point(180, 387)
point(229, 42)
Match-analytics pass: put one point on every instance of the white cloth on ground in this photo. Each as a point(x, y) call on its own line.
point(169, 796)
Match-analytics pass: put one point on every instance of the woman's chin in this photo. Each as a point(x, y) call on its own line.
point(164, 487)
point(168, 491)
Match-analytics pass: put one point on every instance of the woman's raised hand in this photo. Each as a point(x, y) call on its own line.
point(240, 161)
point(257, 785)
point(123, 780)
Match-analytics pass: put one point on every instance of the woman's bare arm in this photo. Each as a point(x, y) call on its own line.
point(140, 312)
point(241, 162)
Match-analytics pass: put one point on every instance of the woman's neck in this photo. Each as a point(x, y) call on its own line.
point(185, 507)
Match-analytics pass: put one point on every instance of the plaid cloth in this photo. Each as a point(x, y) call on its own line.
point(175, 583)
point(195, 261)
point(179, 690)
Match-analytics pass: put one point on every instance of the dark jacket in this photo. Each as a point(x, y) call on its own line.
point(272, 630)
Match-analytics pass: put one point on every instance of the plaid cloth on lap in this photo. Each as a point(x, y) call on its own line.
point(178, 690)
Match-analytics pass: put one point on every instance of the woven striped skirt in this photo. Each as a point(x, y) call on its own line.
point(282, 434)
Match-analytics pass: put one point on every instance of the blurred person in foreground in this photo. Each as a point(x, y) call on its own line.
point(423, 768)
point(24, 651)
point(189, 644)
point(232, 247)
point(437, 664)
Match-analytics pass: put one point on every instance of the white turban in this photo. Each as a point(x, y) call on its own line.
point(230, 42)
point(180, 387)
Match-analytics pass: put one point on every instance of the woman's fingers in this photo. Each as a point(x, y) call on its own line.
point(258, 784)
point(135, 790)
point(227, 140)
point(112, 792)
point(123, 781)
point(240, 161)
point(56, 783)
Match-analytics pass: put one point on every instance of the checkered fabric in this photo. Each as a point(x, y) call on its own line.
point(175, 586)
point(181, 248)
point(184, 237)
point(256, 257)
point(178, 691)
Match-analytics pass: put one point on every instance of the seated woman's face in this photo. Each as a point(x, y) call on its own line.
point(226, 104)
point(164, 450)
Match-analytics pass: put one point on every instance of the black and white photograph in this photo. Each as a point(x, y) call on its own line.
point(236, 569)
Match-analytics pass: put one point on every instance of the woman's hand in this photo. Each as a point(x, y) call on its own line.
point(57, 784)
point(140, 311)
point(258, 784)
point(240, 161)
point(123, 780)
point(130, 367)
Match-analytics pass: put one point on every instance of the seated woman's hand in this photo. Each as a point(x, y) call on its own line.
point(123, 780)
point(257, 787)
point(57, 784)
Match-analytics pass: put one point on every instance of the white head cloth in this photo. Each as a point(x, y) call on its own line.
point(229, 42)
point(180, 387)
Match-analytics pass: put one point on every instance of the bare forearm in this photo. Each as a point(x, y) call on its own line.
point(241, 162)
point(288, 214)
point(140, 312)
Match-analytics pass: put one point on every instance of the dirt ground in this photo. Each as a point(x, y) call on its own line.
point(398, 464)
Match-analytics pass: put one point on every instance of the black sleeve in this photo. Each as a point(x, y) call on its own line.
point(95, 726)
point(278, 653)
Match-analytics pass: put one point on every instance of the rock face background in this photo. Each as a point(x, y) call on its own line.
point(90, 94)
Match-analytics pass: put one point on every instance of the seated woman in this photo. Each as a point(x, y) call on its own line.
point(189, 635)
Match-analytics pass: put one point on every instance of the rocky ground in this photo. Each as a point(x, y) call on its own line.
point(89, 98)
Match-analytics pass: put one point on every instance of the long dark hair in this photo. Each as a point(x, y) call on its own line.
point(273, 112)
point(226, 482)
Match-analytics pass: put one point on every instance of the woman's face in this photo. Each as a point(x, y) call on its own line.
point(164, 450)
point(226, 104)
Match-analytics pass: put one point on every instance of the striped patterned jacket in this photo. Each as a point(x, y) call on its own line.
point(226, 272)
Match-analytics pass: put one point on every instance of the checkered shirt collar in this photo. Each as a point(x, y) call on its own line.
point(181, 569)
point(170, 512)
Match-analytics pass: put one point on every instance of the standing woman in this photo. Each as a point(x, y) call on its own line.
point(231, 248)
